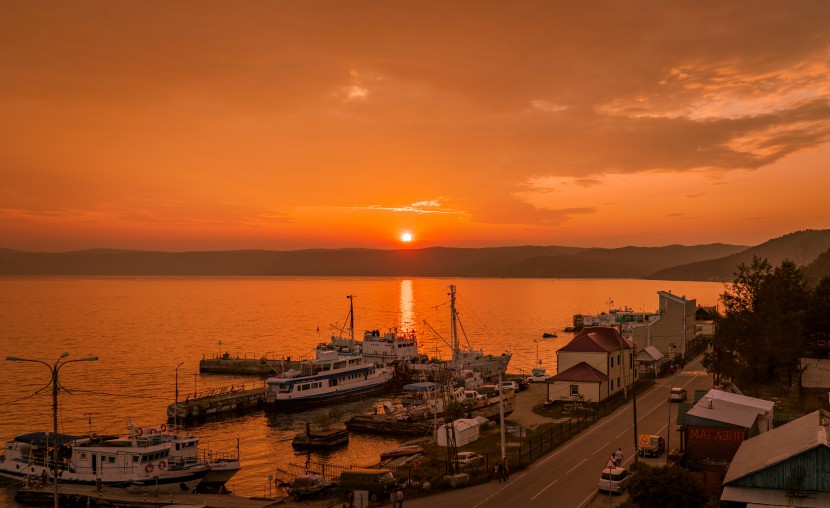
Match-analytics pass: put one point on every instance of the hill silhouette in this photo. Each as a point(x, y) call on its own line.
point(801, 247)
point(521, 261)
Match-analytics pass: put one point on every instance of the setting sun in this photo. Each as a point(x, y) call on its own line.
point(406, 237)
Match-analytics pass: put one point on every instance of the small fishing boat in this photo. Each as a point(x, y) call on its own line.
point(400, 451)
point(317, 439)
point(548, 335)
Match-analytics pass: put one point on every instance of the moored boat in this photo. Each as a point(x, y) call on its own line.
point(329, 378)
point(319, 438)
point(400, 451)
point(92, 459)
point(185, 451)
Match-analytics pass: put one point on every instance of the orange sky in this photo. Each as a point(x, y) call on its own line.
point(193, 125)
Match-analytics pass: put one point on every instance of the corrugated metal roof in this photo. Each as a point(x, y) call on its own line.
point(779, 444)
point(649, 354)
point(774, 498)
point(731, 408)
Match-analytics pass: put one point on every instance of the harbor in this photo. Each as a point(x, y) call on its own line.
point(147, 384)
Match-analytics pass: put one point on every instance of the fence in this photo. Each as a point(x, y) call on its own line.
point(426, 473)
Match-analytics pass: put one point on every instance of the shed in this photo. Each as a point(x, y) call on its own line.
point(465, 430)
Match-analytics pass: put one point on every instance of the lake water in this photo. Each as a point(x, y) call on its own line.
point(141, 328)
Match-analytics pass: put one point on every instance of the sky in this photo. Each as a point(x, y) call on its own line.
point(221, 125)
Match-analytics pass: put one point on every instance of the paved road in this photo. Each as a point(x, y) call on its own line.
point(568, 476)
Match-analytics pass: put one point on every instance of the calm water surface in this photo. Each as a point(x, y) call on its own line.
point(141, 328)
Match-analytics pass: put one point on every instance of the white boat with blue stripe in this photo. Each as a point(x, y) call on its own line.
point(331, 377)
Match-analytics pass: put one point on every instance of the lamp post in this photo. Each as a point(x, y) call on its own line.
point(668, 430)
point(176, 405)
point(55, 368)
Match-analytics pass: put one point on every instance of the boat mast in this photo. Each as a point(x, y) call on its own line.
point(453, 328)
point(351, 316)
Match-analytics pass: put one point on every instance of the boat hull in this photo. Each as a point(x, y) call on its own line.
point(300, 403)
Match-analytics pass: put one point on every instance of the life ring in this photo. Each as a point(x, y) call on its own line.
point(162, 465)
point(154, 431)
point(139, 431)
point(164, 427)
point(148, 468)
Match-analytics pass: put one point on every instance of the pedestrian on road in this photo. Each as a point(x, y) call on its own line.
point(618, 457)
point(399, 497)
point(612, 462)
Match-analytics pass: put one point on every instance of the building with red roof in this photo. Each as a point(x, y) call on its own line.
point(596, 364)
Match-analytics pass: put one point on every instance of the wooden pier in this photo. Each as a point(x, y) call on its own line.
point(149, 497)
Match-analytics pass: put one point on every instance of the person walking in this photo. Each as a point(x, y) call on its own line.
point(399, 497)
point(618, 457)
point(612, 462)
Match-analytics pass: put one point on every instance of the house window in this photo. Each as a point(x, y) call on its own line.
point(612, 384)
point(612, 361)
point(618, 381)
point(574, 390)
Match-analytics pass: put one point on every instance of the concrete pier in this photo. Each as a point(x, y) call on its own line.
point(263, 366)
point(149, 497)
point(218, 401)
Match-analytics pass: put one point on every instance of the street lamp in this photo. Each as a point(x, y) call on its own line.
point(668, 430)
point(55, 368)
point(176, 405)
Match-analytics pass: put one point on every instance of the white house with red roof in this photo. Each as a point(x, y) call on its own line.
point(596, 364)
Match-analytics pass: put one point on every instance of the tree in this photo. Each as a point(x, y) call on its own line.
point(817, 319)
point(761, 334)
point(665, 487)
point(732, 348)
point(780, 309)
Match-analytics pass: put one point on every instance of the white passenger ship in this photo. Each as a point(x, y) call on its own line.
point(331, 377)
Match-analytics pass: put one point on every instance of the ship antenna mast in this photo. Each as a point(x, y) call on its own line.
point(453, 327)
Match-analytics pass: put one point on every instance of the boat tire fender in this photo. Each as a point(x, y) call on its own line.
point(139, 432)
point(148, 468)
point(163, 427)
point(162, 465)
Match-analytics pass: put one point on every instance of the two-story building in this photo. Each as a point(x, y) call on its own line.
point(674, 330)
point(596, 364)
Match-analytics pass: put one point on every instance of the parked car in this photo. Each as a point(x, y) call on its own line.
point(509, 385)
point(538, 378)
point(677, 394)
point(613, 479)
point(650, 445)
point(469, 460)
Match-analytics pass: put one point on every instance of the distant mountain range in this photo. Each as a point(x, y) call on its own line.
point(714, 262)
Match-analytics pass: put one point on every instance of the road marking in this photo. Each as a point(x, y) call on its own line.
point(491, 496)
point(571, 469)
point(546, 488)
point(603, 447)
point(621, 433)
point(587, 500)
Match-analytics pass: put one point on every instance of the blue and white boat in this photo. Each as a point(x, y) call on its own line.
point(331, 377)
point(110, 460)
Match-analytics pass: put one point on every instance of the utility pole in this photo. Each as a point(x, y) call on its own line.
point(55, 368)
point(176, 405)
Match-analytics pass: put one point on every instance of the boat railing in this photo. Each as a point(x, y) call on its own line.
point(213, 392)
